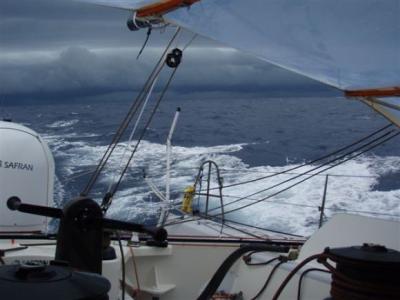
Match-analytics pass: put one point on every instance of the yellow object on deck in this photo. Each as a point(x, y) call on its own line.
point(188, 199)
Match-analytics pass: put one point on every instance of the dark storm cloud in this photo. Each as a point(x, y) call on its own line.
point(44, 24)
point(72, 49)
point(81, 71)
point(56, 23)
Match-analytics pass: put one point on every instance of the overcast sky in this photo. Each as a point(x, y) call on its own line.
point(61, 49)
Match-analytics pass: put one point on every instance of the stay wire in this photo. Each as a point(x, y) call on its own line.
point(311, 162)
point(255, 227)
point(180, 221)
point(131, 112)
point(311, 176)
point(304, 205)
point(307, 172)
point(125, 123)
point(143, 132)
point(234, 228)
point(138, 119)
point(263, 229)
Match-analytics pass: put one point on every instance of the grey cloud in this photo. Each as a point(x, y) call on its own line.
point(56, 24)
point(72, 49)
point(78, 71)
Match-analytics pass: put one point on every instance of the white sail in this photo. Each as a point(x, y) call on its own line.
point(351, 45)
point(122, 4)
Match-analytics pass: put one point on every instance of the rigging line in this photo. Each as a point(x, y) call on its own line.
point(110, 148)
point(145, 42)
point(124, 124)
point(144, 131)
point(190, 42)
point(123, 273)
point(68, 179)
point(234, 228)
point(253, 199)
point(139, 118)
point(171, 223)
point(155, 190)
point(306, 206)
point(313, 161)
point(363, 212)
point(294, 173)
point(269, 172)
point(311, 170)
point(117, 137)
point(181, 221)
point(260, 228)
point(330, 167)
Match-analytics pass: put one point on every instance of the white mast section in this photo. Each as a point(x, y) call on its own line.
point(167, 202)
point(169, 145)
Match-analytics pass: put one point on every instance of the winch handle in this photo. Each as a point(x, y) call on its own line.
point(158, 233)
point(15, 203)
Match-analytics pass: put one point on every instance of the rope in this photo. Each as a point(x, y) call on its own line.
point(143, 132)
point(313, 175)
point(139, 118)
point(313, 161)
point(135, 270)
point(304, 274)
point(292, 173)
point(247, 260)
point(155, 190)
point(305, 205)
point(282, 260)
point(124, 124)
point(145, 42)
point(234, 222)
point(122, 265)
point(293, 272)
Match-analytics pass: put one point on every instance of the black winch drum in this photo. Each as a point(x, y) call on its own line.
point(43, 282)
point(368, 272)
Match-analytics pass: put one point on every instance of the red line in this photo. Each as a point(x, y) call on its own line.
point(163, 7)
point(383, 92)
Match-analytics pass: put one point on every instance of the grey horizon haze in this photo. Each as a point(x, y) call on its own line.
point(58, 50)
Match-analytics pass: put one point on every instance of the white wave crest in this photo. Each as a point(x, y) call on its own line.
point(63, 123)
point(294, 210)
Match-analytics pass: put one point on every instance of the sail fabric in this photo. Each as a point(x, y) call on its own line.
point(388, 107)
point(351, 45)
point(122, 4)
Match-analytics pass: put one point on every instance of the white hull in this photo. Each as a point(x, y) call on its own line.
point(182, 270)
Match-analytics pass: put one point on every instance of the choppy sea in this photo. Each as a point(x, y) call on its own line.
point(247, 138)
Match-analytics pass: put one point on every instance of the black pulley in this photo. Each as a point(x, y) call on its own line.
point(36, 281)
point(368, 272)
point(174, 58)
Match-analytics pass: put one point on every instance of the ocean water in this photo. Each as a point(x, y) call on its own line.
point(247, 138)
